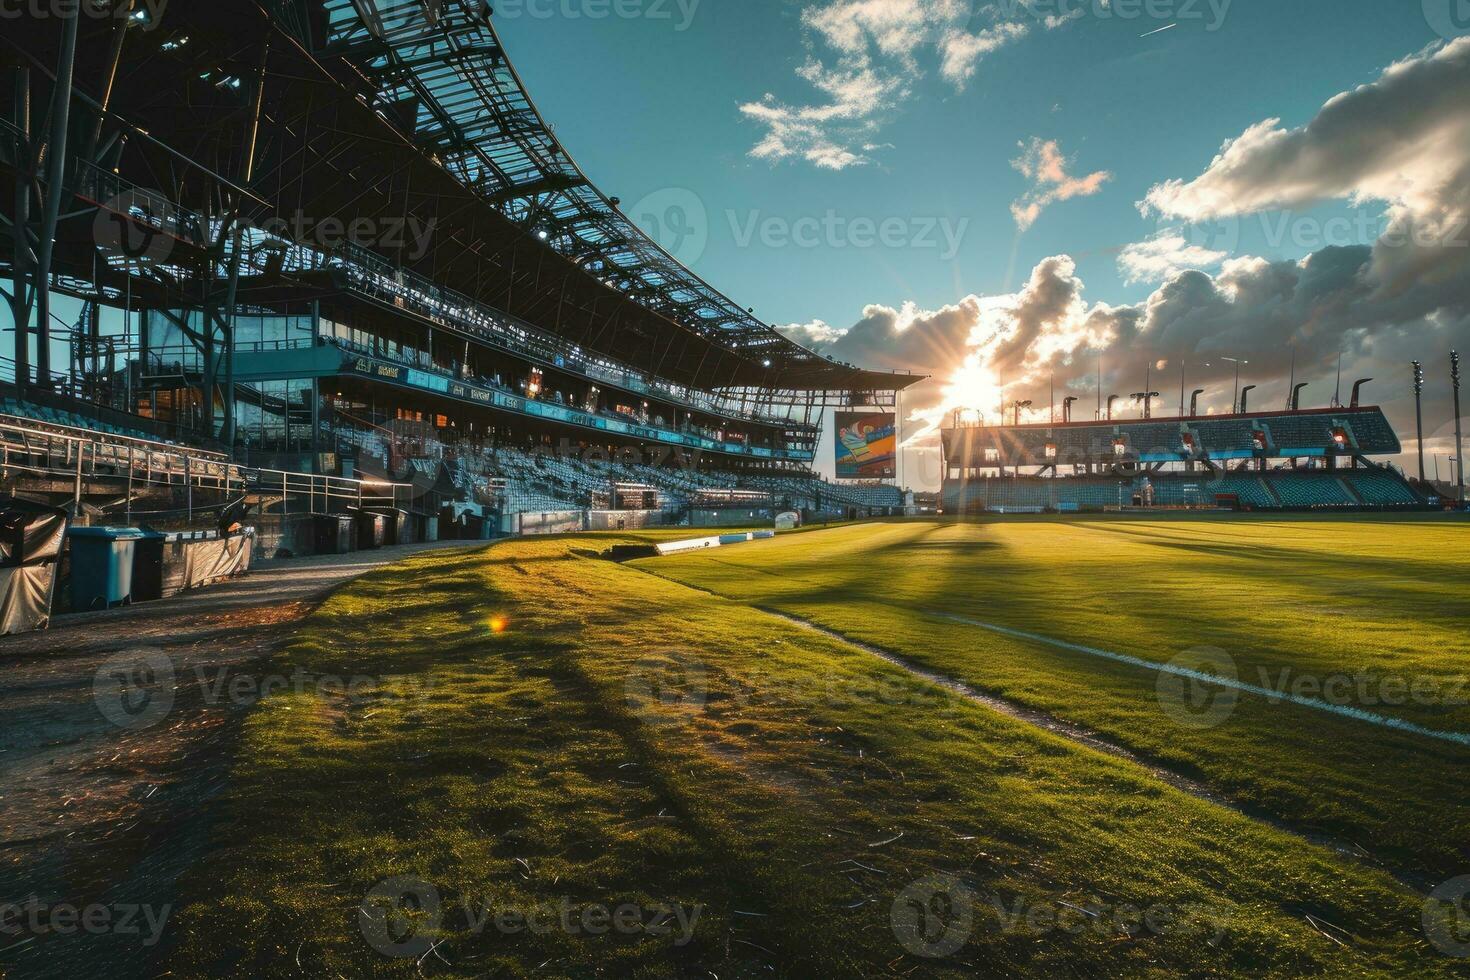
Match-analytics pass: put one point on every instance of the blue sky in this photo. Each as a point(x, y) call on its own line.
point(645, 106)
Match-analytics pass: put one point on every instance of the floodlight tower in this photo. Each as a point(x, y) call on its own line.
point(1067, 408)
point(1018, 406)
point(1111, 399)
point(1419, 415)
point(1245, 394)
point(1460, 467)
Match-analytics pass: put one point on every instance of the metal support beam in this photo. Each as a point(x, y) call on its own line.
point(57, 160)
point(114, 61)
point(20, 300)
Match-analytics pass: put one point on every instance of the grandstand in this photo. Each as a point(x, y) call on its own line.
point(531, 360)
point(1309, 459)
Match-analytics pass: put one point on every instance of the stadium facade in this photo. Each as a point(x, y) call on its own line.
point(1299, 459)
point(331, 246)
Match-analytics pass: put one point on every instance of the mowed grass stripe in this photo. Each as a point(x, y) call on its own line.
point(1112, 584)
point(1217, 680)
point(796, 799)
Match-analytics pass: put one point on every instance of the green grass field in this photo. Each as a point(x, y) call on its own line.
point(1305, 605)
point(577, 768)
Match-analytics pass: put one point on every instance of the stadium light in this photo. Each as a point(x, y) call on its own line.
point(1236, 400)
point(1111, 399)
point(1183, 364)
point(1296, 395)
point(1460, 466)
point(1419, 419)
point(1244, 394)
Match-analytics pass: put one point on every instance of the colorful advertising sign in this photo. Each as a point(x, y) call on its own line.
point(866, 444)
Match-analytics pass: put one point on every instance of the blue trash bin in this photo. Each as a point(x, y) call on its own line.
point(102, 566)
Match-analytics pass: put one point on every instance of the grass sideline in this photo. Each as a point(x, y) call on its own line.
point(625, 740)
point(1285, 599)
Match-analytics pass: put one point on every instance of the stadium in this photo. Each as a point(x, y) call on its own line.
point(1299, 460)
point(409, 567)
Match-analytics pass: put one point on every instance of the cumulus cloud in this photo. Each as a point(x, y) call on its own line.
point(1401, 139)
point(905, 337)
point(1164, 256)
point(1281, 316)
point(864, 57)
point(1042, 162)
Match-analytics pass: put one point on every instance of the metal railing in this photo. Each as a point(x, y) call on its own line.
point(375, 277)
point(90, 461)
point(124, 198)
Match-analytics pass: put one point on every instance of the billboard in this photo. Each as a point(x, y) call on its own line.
point(866, 444)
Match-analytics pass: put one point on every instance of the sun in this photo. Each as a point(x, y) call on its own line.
point(972, 386)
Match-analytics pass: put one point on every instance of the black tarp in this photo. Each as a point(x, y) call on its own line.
point(31, 538)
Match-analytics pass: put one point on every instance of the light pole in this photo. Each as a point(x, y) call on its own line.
point(1235, 400)
point(1459, 456)
point(1419, 417)
point(1183, 363)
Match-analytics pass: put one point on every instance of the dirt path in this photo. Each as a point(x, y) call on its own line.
point(116, 729)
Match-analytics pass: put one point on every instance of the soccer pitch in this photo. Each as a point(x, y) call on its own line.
point(996, 753)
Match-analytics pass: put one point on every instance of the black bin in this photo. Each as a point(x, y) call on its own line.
point(371, 530)
point(148, 566)
point(332, 534)
point(395, 527)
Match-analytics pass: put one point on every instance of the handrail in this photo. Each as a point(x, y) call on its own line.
point(79, 457)
point(78, 434)
point(373, 276)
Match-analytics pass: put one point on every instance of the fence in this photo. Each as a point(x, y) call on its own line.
point(88, 461)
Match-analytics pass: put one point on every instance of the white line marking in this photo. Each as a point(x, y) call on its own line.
point(1159, 31)
point(1357, 714)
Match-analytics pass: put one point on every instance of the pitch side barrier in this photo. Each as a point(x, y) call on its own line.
point(713, 541)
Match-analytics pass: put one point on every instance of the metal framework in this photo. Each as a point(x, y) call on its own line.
point(197, 165)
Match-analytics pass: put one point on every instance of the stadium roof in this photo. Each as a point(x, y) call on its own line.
point(439, 71)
